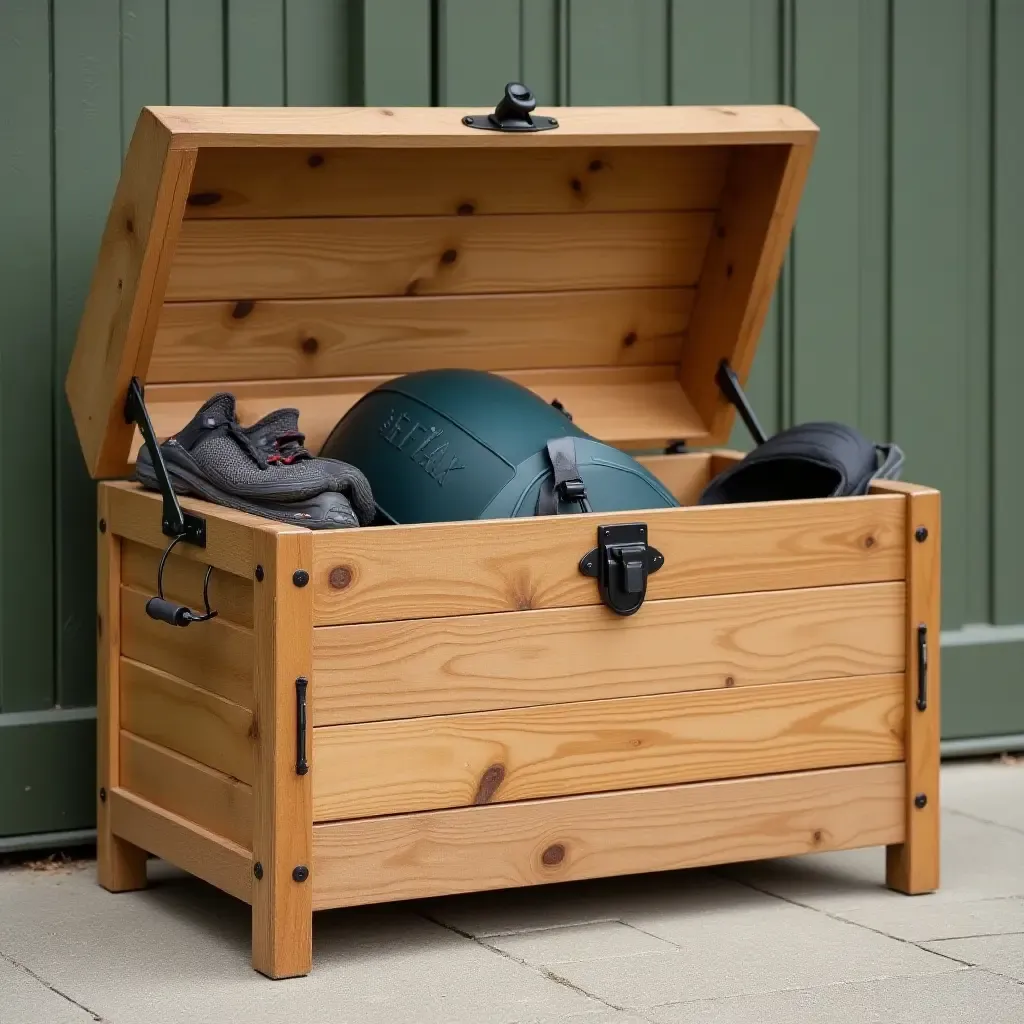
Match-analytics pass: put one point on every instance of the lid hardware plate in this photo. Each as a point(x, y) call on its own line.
point(514, 113)
point(621, 564)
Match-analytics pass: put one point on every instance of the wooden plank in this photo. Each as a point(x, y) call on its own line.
point(326, 257)
point(136, 514)
point(120, 866)
point(603, 745)
point(406, 669)
point(595, 836)
point(744, 258)
point(230, 595)
point(424, 127)
point(217, 658)
point(211, 799)
point(913, 865)
point(410, 572)
point(128, 281)
point(272, 340)
point(315, 182)
point(186, 845)
point(282, 917)
point(627, 405)
point(685, 474)
point(168, 711)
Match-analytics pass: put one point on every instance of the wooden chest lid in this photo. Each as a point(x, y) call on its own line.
point(298, 257)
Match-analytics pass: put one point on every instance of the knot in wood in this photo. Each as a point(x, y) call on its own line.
point(489, 783)
point(340, 577)
point(553, 855)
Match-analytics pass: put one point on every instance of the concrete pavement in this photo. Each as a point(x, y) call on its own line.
point(811, 939)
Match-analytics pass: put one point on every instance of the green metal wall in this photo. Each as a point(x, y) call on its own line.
point(899, 310)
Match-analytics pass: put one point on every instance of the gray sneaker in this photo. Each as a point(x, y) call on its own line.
point(215, 458)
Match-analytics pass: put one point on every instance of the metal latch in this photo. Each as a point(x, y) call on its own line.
point(621, 563)
point(514, 113)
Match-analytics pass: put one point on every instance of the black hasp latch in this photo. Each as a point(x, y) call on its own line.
point(621, 563)
point(922, 667)
point(514, 113)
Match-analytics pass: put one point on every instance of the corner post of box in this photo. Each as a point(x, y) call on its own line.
point(282, 888)
point(912, 866)
point(120, 865)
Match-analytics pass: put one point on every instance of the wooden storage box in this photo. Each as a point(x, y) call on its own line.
point(477, 718)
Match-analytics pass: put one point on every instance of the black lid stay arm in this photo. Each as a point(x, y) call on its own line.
point(729, 385)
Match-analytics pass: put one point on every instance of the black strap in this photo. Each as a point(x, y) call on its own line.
point(565, 482)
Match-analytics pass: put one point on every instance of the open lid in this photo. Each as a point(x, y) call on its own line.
point(298, 257)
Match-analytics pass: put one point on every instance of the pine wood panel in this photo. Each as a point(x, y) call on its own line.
point(211, 799)
point(625, 405)
point(183, 843)
point(441, 569)
point(230, 595)
point(601, 745)
point(271, 340)
point(269, 258)
point(406, 669)
point(346, 182)
point(570, 838)
point(913, 866)
point(282, 914)
point(172, 713)
point(685, 474)
point(215, 655)
point(123, 304)
point(421, 127)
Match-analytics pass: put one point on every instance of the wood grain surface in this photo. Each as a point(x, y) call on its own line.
point(405, 669)
point(409, 572)
point(295, 258)
point(470, 849)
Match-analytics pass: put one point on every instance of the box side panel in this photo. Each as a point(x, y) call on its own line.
point(504, 846)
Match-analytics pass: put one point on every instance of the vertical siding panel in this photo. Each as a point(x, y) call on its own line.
point(477, 51)
point(618, 52)
point(396, 48)
point(143, 60)
point(87, 161)
point(317, 65)
point(26, 364)
point(255, 53)
point(195, 52)
point(730, 52)
point(539, 49)
point(1008, 314)
point(930, 323)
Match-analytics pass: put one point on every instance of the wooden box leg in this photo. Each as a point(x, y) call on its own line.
point(121, 866)
point(913, 866)
point(282, 892)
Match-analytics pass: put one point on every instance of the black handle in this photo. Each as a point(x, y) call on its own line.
point(167, 611)
point(922, 667)
point(301, 765)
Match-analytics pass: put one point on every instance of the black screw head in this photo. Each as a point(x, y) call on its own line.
point(301, 873)
point(259, 573)
point(257, 870)
point(103, 526)
point(103, 795)
point(921, 534)
point(300, 577)
point(920, 801)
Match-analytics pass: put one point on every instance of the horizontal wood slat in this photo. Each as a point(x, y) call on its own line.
point(178, 784)
point(297, 338)
point(485, 662)
point(618, 404)
point(183, 843)
point(315, 182)
point(411, 572)
point(598, 746)
point(569, 838)
point(215, 655)
point(230, 595)
point(172, 713)
point(338, 257)
point(685, 474)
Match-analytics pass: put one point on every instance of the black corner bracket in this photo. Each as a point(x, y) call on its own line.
point(512, 114)
point(621, 563)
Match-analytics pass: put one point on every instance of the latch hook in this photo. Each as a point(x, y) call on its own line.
point(621, 563)
point(177, 614)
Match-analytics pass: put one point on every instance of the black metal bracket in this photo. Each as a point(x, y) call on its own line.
point(729, 385)
point(301, 764)
point(922, 667)
point(621, 563)
point(514, 113)
point(176, 523)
